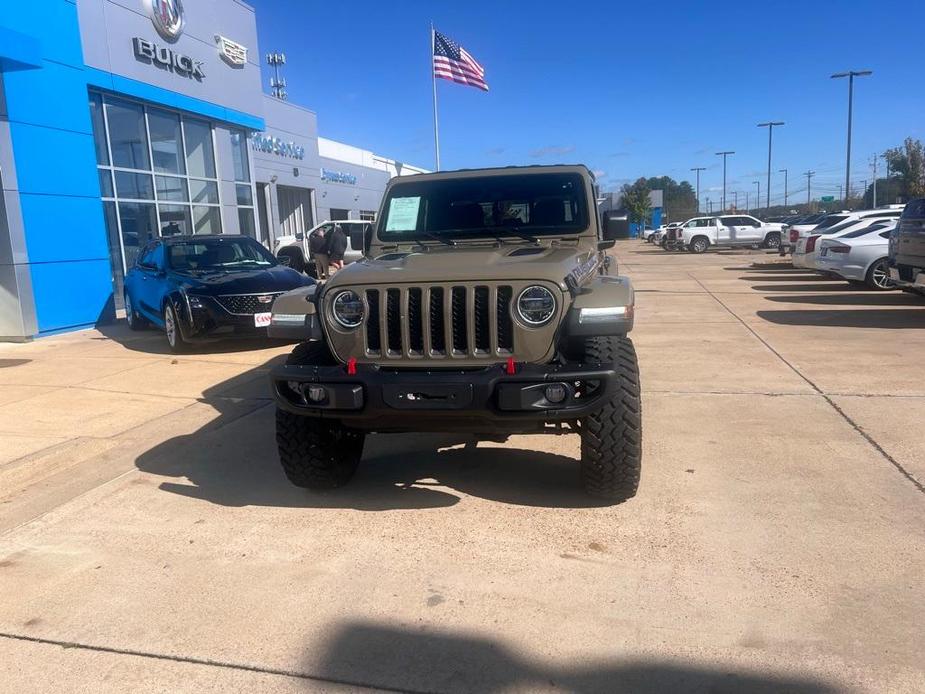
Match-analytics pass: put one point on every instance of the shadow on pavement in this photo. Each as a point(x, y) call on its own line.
point(232, 461)
point(781, 266)
point(871, 298)
point(410, 659)
point(790, 277)
point(862, 318)
point(840, 286)
point(152, 341)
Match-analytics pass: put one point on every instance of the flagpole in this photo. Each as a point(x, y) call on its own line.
point(433, 76)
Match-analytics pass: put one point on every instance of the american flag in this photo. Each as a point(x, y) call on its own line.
point(453, 62)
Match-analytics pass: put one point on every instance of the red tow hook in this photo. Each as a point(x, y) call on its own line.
point(352, 366)
point(510, 367)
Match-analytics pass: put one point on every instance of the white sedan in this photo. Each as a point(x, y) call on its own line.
point(859, 256)
point(804, 253)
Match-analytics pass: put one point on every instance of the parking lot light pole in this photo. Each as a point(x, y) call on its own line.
point(724, 155)
point(851, 74)
point(698, 169)
point(770, 126)
point(784, 171)
point(758, 199)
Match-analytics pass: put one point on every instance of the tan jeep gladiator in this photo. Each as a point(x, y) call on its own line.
point(486, 303)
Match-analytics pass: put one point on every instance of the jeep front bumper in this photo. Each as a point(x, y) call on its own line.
point(483, 400)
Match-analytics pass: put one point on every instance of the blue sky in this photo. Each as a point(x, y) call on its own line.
point(630, 89)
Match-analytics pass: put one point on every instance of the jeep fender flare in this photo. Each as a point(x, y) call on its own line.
point(301, 301)
point(604, 307)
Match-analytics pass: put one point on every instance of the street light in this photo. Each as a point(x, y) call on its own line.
point(758, 199)
point(724, 155)
point(784, 171)
point(770, 126)
point(698, 169)
point(851, 74)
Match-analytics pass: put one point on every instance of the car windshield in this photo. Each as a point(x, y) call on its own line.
point(496, 205)
point(216, 254)
point(831, 221)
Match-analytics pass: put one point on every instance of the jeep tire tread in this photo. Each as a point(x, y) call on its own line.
point(316, 453)
point(611, 438)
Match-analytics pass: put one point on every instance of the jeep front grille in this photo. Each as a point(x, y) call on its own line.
point(427, 321)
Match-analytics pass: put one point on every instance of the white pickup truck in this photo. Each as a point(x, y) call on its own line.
point(700, 233)
point(294, 250)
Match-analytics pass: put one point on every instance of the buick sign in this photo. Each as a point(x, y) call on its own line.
point(167, 16)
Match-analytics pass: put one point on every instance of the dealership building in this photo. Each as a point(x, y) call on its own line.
point(124, 120)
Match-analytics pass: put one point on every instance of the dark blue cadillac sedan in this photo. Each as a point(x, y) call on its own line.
point(205, 287)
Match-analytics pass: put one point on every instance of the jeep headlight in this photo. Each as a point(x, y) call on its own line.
point(347, 309)
point(536, 306)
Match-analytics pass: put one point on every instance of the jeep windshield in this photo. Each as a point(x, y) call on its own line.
point(217, 255)
point(519, 206)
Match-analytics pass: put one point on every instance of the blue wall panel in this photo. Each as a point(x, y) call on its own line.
point(53, 22)
point(50, 129)
point(63, 227)
point(54, 162)
point(72, 294)
point(57, 98)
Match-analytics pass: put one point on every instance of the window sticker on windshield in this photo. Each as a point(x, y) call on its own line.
point(403, 214)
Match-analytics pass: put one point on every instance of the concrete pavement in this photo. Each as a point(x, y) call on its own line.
point(148, 539)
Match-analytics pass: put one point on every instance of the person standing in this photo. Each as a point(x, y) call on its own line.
point(318, 245)
point(337, 246)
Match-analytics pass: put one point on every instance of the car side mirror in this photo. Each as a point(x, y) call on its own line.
point(609, 232)
point(605, 244)
point(357, 238)
point(300, 236)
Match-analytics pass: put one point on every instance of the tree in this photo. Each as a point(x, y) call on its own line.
point(636, 201)
point(908, 164)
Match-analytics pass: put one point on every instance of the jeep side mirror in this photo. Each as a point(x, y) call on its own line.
point(605, 244)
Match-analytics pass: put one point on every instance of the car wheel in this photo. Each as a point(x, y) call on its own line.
point(316, 453)
point(772, 240)
point(132, 317)
point(698, 245)
point(611, 437)
point(172, 328)
point(878, 276)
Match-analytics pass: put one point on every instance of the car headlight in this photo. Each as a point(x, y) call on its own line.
point(348, 309)
point(536, 305)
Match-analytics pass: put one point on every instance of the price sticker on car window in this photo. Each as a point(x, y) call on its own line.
point(403, 214)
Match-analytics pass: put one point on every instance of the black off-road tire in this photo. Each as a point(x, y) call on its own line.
point(611, 438)
point(316, 453)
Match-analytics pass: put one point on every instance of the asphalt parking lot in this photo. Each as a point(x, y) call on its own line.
point(149, 541)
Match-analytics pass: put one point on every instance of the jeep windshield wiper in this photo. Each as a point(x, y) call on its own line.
point(522, 234)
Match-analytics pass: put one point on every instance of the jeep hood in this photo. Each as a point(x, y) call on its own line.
point(465, 264)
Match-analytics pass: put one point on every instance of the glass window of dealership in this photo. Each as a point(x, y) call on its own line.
point(159, 176)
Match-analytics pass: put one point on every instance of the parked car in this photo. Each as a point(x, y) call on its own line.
point(648, 232)
point(907, 248)
point(860, 256)
point(204, 287)
point(700, 233)
point(658, 236)
point(797, 227)
point(295, 250)
point(805, 249)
